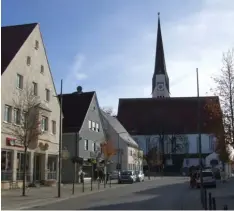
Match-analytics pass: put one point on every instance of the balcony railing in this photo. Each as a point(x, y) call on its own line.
point(52, 175)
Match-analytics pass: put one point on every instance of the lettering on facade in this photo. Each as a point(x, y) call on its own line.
point(13, 142)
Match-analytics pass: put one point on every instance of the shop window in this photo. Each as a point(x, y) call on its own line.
point(20, 165)
point(6, 165)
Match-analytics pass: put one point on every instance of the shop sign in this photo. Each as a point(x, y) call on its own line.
point(13, 142)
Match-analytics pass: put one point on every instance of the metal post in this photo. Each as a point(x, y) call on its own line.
point(225, 207)
point(91, 188)
point(60, 140)
point(210, 201)
point(205, 199)
point(199, 136)
point(118, 158)
point(83, 189)
point(214, 203)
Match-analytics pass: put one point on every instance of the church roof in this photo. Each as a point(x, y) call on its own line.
point(13, 37)
point(178, 115)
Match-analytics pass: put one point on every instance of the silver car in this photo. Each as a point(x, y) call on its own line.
point(127, 177)
point(140, 176)
point(114, 175)
point(208, 179)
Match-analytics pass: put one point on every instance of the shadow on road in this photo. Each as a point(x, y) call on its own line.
point(164, 197)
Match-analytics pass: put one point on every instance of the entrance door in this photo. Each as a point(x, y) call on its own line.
point(37, 168)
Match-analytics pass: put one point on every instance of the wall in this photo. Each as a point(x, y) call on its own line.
point(191, 139)
point(31, 74)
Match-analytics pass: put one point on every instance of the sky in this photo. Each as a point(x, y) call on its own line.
point(109, 46)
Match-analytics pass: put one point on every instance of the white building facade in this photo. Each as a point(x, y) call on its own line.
point(27, 68)
point(128, 154)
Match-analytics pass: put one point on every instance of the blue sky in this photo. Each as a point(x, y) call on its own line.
point(109, 46)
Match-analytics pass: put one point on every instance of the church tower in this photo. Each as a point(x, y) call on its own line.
point(160, 80)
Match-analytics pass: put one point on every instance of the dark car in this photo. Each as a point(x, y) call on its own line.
point(127, 177)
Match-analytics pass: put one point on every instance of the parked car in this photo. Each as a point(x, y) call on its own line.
point(127, 177)
point(208, 179)
point(114, 175)
point(140, 176)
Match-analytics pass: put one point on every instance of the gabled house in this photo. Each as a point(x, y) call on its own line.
point(25, 69)
point(82, 131)
point(128, 154)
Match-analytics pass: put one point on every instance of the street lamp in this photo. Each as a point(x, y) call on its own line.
point(199, 135)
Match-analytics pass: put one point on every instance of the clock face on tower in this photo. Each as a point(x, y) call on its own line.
point(160, 86)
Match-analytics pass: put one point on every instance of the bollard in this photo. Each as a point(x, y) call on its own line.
point(91, 188)
point(110, 182)
point(213, 203)
point(98, 183)
point(210, 201)
point(225, 207)
point(205, 199)
point(104, 181)
point(83, 185)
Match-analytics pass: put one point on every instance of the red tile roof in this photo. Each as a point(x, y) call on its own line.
point(13, 37)
point(75, 107)
point(148, 116)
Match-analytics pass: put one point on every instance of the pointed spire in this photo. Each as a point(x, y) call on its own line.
point(160, 65)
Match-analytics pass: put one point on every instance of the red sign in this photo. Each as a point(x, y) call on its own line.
point(13, 142)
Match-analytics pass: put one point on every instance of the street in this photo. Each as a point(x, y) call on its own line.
point(163, 193)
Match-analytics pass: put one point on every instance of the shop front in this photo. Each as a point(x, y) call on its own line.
point(39, 165)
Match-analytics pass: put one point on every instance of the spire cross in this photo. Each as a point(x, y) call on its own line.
point(158, 14)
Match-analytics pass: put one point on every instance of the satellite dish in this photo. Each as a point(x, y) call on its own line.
point(79, 89)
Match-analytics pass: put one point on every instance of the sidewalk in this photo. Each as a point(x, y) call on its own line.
point(13, 199)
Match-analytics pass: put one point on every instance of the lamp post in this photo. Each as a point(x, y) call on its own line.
point(199, 133)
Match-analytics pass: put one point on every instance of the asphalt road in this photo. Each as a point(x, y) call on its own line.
point(163, 193)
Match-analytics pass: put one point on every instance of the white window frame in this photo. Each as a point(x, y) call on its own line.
point(28, 60)
point(53, 122)
point(20, 81)
point(35, 88)
point(17, 119)
point(7, 113)
point(47, 94)
point(93, 126)
point(90, 124)
point(42, 69)
point(86, 145)
point(44, 123)
point(97, 127)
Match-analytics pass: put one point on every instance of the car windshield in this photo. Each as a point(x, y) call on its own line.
point(126, 173)
point(206, 174)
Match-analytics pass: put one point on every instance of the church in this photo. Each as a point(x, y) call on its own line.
point(169, 126)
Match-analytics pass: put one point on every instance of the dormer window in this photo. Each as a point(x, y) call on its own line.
point(36, 44)
point(28, 60)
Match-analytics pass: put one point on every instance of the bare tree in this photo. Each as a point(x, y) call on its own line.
point(225, 90)
point(26, 123)
point(109, 110)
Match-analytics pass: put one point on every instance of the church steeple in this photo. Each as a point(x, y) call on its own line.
point(160, 65)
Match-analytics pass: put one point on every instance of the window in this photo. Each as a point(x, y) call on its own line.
point(35, 88)
point(42, 69)
point(130, 152)
point(198, 144)
point(17, 116)
point(7, 114)
point(86, 145)
point(28, 60)
point(97, 127)
point(53, 127)
point(36, 44)
point(211, 143)
point(44, 123)
point(19, 81)
point(93, 125)
point(6, 165)
point(90, 124)
point(47, 95)
point(20, 164)
point(94, 146)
